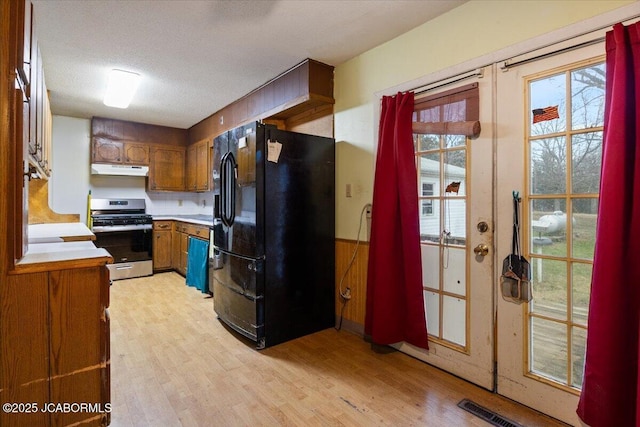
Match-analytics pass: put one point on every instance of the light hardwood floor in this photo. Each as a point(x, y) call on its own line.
point(174, 364)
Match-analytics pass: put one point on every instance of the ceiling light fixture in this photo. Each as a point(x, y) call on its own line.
point(121, 88)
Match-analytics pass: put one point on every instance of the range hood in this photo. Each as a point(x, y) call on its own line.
point(121, 170)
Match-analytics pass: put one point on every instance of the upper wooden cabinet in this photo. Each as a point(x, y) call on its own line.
point(35, 111)
point(198, 161)
point(122, 142)
point(136, 153)
point(166, 169)
point(108, 151)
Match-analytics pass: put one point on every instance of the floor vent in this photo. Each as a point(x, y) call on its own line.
point(487, 415)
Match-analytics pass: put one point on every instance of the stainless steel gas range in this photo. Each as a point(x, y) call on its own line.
point(124, 229)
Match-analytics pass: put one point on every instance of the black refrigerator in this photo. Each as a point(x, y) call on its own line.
point(273, 236)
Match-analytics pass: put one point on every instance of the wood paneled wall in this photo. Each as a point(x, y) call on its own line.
point(297, 94)
point(356, 280)
point(39, 210)
point(122, 130)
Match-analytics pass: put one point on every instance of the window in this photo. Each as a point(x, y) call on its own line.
point(427, 204)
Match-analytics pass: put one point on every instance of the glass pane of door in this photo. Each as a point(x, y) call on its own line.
point(564, 168)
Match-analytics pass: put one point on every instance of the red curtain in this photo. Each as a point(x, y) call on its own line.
point(395, 303)
point(610, 389)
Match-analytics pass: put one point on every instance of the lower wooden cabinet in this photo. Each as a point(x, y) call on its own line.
point(171, 244)
point(180, 243)
point(162, 239)
point(55, 347)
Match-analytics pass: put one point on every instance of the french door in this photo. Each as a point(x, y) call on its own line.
point(530, 352)
point(455, 188)
point(549, 142)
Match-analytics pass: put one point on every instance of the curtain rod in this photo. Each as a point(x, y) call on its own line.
point(506, 64)
point(478, 72)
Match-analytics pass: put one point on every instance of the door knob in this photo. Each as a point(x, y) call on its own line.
point(481, 249)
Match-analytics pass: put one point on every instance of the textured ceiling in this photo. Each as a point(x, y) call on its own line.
point(195, 57)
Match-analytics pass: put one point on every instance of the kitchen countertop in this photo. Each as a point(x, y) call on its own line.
point(194, 219)
point(61, 245)
point(59, 232)
point(62, 255)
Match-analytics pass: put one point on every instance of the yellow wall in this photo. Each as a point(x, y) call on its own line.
point(474, 29)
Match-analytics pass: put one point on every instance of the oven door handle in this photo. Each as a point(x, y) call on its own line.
point(114, 228)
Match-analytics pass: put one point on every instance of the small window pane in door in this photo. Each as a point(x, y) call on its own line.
point(549, 279)
point(587, 97)
point(578, 345)
point(586, 158)
point(581, 281)
point(584, 219)
point(454, 319)
point(430, 266)
point(424, 142)
point(429, 179)
point(548, 227)
point(454, 140)
point(455, 162)
point(427, 202)
point(548, 168)
point(548, 92)
point(430, 224)
point(432, 307)
point(454, 271)
point(549, 349)
point(455, 217)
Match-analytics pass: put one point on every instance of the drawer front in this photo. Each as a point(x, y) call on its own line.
point(200, 231)
point(162, 225)
point(195, 230)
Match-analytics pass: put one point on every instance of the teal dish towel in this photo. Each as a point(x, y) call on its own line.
point(197, 261)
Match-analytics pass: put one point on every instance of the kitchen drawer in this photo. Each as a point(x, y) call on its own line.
point(195, 230)
point(200, 231)
point(180, 227)
point(162, 225)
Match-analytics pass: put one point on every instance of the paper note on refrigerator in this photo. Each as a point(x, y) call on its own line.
point(273, 151)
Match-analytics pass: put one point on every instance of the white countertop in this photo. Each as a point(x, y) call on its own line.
point(193, 219)
point(69, 243)
point(59, 232)
point(61, 252)
point(39, 248)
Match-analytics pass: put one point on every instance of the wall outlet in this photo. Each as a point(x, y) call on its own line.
point(348, 190)
point(179, 202)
